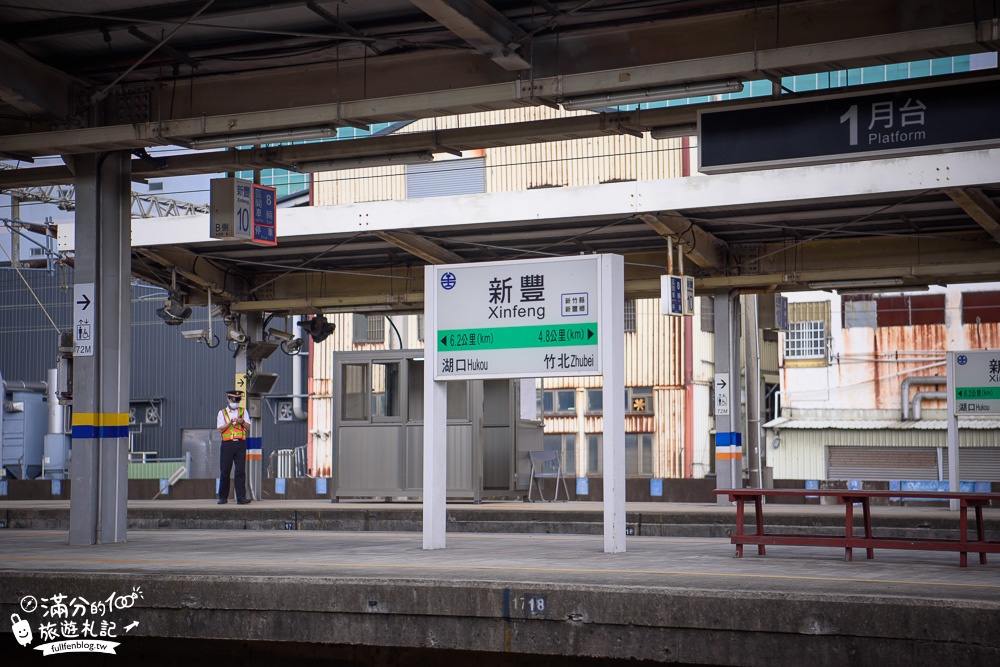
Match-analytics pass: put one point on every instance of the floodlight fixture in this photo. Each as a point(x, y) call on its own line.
point(270, 137)
point(657, 94)
point(389, 160)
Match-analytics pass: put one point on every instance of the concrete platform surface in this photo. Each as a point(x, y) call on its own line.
point(670, 600)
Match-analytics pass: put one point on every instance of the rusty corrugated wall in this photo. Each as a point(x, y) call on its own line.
point(668, 440)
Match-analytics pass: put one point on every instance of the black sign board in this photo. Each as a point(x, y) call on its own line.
point(908, 121)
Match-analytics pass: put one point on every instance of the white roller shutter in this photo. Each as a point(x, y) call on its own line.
point(975, 465)
point(445, 178)
point(866, 463)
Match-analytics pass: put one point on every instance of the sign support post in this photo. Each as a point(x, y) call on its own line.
point(973, 387)
point(435, 425)
point(953, 480)
point(613, 353)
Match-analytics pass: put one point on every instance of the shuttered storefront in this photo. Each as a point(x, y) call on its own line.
point(975, 465)
point(881, 463)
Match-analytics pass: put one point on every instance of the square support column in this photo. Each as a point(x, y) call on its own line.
point(101, 360)
point(728, 418)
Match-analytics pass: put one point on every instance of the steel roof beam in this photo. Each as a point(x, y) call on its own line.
point(482, 27)
point(32, 87)
point(980, 208)
point(409, 86)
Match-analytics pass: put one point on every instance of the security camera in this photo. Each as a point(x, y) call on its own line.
point(195, 334)
point(280, 334)
point(238, 336)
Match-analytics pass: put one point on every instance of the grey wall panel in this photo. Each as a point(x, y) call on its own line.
point(370, 459)
point(190, 378)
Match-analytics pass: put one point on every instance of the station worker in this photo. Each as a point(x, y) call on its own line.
point(233, 423)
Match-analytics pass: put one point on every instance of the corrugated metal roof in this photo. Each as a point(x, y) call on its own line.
point(879, 424)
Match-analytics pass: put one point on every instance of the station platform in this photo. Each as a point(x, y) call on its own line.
point(530, 596)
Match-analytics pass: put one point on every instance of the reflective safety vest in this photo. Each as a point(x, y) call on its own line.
point(233, 432)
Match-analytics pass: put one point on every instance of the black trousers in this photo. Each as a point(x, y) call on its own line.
point(233, 451)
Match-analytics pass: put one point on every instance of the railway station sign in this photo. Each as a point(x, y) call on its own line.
point(910, 120)
point(243, 211)
point(977, 383)
point(529, 318)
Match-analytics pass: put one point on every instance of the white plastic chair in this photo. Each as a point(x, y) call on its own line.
point(542, 464)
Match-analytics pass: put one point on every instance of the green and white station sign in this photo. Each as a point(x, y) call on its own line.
point(977, 382)
point(532, 318)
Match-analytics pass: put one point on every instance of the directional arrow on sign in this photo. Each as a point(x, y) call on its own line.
point(85, 301)
point(722, 383)
point(590, 334)
point(444, 340)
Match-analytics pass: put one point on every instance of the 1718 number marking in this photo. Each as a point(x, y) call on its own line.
point(533, 605)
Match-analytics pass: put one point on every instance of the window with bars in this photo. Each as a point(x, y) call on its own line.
point(629, 315)
point(806, 340)
point(369, 328)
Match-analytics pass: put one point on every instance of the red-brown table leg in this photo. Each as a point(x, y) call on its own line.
point(867, 510)
point(963, 533)
point(980, 532)
point(739, 527)
point(849, 528)
point(758, 507)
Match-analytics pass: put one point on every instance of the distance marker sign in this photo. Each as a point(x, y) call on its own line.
point(530, 318)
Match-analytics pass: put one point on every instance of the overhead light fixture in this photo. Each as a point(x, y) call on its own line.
point(254, 138)
point(882, 290)
point(366, 161)
point(675, 92)
point(864, 283)
point(674, 131)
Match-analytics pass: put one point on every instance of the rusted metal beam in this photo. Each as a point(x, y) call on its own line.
point(421, 246)
point(703, 248)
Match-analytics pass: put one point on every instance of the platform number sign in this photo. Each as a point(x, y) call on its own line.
point(264, 219)
point(231, 209)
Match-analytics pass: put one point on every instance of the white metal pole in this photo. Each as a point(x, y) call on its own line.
point(435, 425)
point(612, 341)
point(953, 481)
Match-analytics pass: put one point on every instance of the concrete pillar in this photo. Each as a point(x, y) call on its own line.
point(728, 441)
point(99, 459)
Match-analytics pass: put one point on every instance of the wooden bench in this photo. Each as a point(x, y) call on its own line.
point(868, 540)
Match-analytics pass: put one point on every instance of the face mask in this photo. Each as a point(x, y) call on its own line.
point(234, 404)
